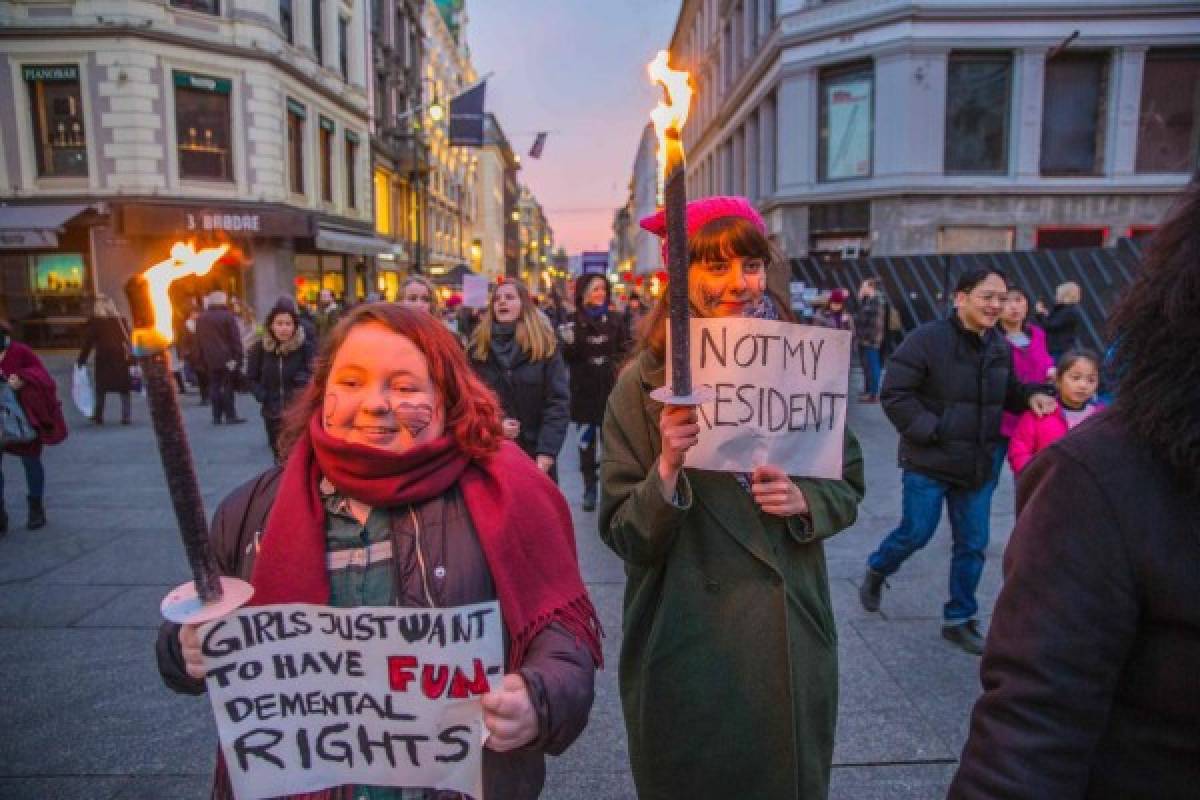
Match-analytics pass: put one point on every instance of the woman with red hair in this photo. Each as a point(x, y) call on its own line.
point(394, 457)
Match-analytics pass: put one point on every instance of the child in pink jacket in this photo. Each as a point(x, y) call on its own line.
point(1077, 377)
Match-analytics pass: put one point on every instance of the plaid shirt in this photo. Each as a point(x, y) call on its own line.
point(359, 561)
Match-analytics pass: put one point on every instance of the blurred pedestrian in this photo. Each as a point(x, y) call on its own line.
point(1027, 343)
point(1062, 323)
point(636, 311)
point(279, 367)
point(1090, 685)
point(37, 393)
point(728, 671)
point(219, 340)
point(870, 324)
point(327, 314)
point(944, 391)
point(596, 340)
point(418, 292)
point(516, 353)
point(193, 359)
point(1077, 379)
point(834, 314)
point(396, 461)
point(107, 335)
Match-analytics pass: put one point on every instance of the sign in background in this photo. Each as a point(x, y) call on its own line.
point(475, 291)
point(307, 697)
point(779, 396)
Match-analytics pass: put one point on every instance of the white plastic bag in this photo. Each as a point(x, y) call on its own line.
point(82, 392)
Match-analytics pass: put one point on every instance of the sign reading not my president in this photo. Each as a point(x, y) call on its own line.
point(779, 395)
point(307, 697)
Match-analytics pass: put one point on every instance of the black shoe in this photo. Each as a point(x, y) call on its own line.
point(589, 498)
point(37, 514)
point(235, 420)
point(870, 591)
point(966, 635)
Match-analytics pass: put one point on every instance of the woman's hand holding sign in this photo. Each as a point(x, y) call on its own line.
point(189, 644)
point(509, 715)
point(775, 493)
point(679, 427)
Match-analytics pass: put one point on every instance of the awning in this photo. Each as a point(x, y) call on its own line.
point(35, 227)
point(335, 241)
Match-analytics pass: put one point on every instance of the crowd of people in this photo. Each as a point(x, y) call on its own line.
point(384, 421)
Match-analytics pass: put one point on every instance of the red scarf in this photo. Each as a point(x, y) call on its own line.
point(522, 520)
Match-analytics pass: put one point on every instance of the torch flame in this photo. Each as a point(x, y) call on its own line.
point(185, 260)
point(673, 114)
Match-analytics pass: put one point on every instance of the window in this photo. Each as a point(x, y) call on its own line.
point(295, 145)
point(383, 202)
point(1168, 132)
point(847, 111)
point(1063, 238)
point(978, 97)
point(57, 113)
point(351, 169)
point(1073, 112)
point(285, 20)
point(203, 6)
point(325, 133)
point(202, 127)
point(58, 273)
point(344, 47)
point(318, 15)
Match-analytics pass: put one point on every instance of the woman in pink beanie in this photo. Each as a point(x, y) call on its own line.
point(728, 668)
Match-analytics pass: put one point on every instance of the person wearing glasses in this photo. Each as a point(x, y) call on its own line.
point(945, 390)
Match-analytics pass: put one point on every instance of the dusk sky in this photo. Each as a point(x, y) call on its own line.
point(576, 68)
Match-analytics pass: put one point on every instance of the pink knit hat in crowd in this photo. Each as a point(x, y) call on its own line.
point(703, 211)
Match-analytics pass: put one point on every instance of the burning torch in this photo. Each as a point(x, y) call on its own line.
point(209, 595)
point(669, 118)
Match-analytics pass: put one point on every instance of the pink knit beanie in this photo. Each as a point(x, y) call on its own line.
point(703, 211)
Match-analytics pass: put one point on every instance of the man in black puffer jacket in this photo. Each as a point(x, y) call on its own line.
point(220, 344)
point(945, 390)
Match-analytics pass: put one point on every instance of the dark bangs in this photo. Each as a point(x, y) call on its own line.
point(726, 238)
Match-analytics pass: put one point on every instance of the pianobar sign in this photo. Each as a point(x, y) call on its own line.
point(308, 697)
point(779, 395)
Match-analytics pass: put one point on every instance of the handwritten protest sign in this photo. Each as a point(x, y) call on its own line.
point(779, 395)
point(307, 697)
point(475, 291)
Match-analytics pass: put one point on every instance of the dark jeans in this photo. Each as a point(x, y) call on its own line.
point(871, 369)
point(273, 425)
point(589, 450)
point(126, 405)
point(970, 527)
point(35, 477)
point(222, 383)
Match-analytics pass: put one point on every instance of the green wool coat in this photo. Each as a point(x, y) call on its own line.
point(728, 668)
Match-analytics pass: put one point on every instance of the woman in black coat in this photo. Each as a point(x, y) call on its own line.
point(108, 335)
point(279, 366)
point(516, 353)
point(1062, 323)
point(596, 340)
point(1090, 670)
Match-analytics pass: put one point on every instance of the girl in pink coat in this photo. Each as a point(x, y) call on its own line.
point(1077, 377)
point(1031, 361)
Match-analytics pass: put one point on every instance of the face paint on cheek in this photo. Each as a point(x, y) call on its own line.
point(416, 417)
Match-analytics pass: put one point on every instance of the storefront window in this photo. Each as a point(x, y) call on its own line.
point(57, 113)
point(383, 202)
point(351, 169)
point(326, 131)
point(295, 144)
point(389, 285)
point(1168, 133)
point(978, 89)
point(333, 275)
point(58, 274)
point(202, 127)
point(847, 112)
point(1073, 112)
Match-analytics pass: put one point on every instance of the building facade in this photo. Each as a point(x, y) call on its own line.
point(497, 233)
point(897, 127)
point(647, 253)
point(451, 185)
point(399, 153)
point(126, 130)
point(535, 240)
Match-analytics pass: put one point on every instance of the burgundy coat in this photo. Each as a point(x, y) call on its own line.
point(39, 398)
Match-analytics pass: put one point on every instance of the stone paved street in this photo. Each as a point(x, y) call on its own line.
point(85, 715)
